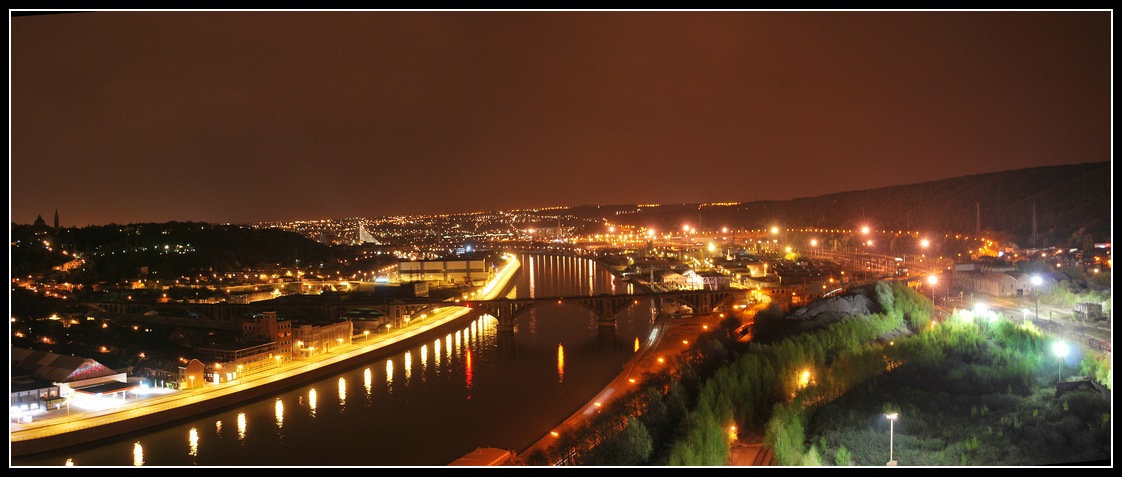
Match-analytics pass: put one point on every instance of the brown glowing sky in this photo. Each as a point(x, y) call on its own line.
point(120, 117)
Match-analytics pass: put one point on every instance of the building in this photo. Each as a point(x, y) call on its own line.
point(714, 281)
point(1089, 311)
point(312, 339)
point(670, 278)
point(266, 342)
point(366, 319)
point(993, 283)
point(267, 327)
point(42, 380)
point(990, 277)
point(449, 272)
point(192, 374)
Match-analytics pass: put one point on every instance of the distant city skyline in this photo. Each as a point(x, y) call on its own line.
point(129, 116)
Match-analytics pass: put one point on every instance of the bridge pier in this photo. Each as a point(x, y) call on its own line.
point(607, 338)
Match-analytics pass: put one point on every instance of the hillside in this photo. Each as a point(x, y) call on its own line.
point(1068, 199)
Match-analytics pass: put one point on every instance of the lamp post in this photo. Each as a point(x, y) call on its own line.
point(1061, 349)
point(932, 280)
point(891, 431)
point(1036, 281)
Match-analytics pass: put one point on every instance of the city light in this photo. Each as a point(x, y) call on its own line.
point(1060, 349)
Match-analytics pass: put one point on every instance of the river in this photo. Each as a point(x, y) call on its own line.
point(426, 406)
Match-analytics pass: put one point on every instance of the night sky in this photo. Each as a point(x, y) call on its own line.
point(121, 117)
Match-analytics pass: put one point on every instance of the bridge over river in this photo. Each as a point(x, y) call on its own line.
point(606, 306)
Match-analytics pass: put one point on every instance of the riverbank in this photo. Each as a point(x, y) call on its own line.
point(673, 336)
point(65, 429)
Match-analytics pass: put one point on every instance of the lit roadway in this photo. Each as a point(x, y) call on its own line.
point(62, 421)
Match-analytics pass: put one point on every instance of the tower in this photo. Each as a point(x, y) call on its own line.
point(56, 220)
point(978, 221)
point(1034, 225)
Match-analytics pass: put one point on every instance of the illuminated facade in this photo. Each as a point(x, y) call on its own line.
point(444, 271)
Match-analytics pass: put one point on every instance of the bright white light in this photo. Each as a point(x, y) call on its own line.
point(1060, 348)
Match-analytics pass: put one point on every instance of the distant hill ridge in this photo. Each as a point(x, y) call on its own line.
point(1070, 201)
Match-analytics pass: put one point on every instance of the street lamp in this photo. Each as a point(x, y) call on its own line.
point(1061, 349)
point(932, 280)
point(1036, 281)
point(891, 430)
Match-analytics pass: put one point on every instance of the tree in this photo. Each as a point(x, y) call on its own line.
point(631, 447)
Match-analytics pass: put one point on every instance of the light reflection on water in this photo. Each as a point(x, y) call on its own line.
point(278, 410)
point(342, 393)
point(241, 426)
point(436, 355)
point(473, 394)
point(560, 363)
point(137, 455)
point(408, 365)
point(193, 442)
point(467, 371)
